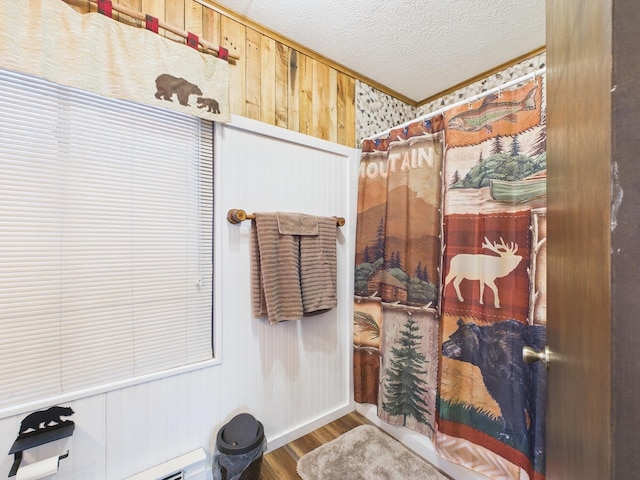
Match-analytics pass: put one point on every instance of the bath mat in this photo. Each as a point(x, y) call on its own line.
point(365, 453)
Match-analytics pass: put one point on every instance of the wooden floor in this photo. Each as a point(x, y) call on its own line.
point(281, 463)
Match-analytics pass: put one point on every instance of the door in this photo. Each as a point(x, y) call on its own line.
point(578, 265)
point(593, 250)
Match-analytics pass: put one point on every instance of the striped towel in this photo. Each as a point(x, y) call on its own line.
point(293, 265)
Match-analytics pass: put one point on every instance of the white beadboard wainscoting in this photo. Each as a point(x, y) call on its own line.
point(292, 376)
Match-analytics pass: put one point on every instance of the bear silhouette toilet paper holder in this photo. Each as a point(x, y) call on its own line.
point(41, 427)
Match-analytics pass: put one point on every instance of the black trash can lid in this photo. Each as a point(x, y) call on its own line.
point(242, 434)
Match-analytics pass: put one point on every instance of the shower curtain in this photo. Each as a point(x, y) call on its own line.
point(481, 257)
point(491, 408)
point(397, 275)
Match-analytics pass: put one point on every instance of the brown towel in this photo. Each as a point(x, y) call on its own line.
point(318, 263)
point(292, 274)
point(297, 224)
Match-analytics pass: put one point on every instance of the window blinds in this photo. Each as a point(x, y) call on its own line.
point(105, 239)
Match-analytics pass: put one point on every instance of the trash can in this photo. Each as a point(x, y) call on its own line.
point(240, 445)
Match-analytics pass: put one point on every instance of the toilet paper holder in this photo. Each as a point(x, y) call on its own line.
point(39, 428)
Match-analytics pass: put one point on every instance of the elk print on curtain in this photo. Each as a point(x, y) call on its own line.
point(491, 404)
point(397, 275)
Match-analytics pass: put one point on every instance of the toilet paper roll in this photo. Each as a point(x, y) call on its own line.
point(40, 469)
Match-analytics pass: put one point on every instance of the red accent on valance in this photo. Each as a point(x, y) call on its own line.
point(223, 53)
point(151, 23)
point(192, 40)
point(105, 7)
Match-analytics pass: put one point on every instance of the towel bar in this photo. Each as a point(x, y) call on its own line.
point(235, 215)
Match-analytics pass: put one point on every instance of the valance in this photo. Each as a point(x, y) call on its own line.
point(49, 39)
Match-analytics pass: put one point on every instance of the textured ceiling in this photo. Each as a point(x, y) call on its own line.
point(417, 48)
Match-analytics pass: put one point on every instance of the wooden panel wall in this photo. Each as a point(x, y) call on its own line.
point(272, 82)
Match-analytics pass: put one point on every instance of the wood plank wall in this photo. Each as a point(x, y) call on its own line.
point(272, 82)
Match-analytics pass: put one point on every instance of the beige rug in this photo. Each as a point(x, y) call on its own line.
point(365, 453)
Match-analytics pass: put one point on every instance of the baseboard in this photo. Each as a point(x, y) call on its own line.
point(418, 444)
point(294, 434)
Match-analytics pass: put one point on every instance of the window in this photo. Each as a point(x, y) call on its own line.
point(106, 222)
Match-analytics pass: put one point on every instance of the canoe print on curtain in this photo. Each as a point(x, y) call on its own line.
point(397, 274)
point(492, 405)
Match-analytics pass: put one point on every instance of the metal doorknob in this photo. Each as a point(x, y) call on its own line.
point(531, 355)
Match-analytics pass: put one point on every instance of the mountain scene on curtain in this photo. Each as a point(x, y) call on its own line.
point(398, 241)
point(391, 267)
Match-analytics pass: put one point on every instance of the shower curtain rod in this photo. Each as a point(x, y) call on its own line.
point(473, 98)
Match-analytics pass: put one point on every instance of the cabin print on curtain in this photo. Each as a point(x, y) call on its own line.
point(491, 412)
point(397, 275)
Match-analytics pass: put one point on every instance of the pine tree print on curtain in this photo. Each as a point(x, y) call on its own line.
point(403, 383)
point(409, 369)
point(397, 260)
point(491, 410)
